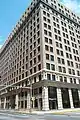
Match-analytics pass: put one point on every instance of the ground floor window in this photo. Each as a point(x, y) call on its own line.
point(25, 103)
point(65, 98)
point(75, 97)
point(36, 103)
point(22, 104)
point(52, 93)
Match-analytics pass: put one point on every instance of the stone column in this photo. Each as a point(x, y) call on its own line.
point(0, 103)
point(59, 99)
point(24, 103)
point(38, 104)
point(5, 103)
point(16, 102)
point(71, 99)
point(79, 96)
point(45, 100)
point(28, 100)
point(33, 103)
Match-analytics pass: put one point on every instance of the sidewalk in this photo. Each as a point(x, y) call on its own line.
point(54, 112)
point(62, 111)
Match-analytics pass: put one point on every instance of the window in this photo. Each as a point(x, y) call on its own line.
point(45, 25)
point(45, 32)
point(64, 70)
point(73, 72)
point(31, 63)
point(34, 79)
point(44, 12)
point(34, 52)
point(63, 61)
point(34, 60)
point(53, 78)
point(48, 14)
point(52, 67)
point(48, 20)
point(57, 51)
point(39, 67)
point(49, 27)
point(60, 69)
point(48, 76)
point(61, 53)
point(30, 71)
point(39, 58)
point(38, 41)
point(26, 74)
point(40, 77)
point(74, 80)
point(22, 76)
point(65, 79)
point(50, 34)
point(50, 41)
point(52, 57)
point(71, 81)
point(61, 78)
point(59, 60)
point(47, 56)
point(47, 47)
point(69, 70)
point(46, 39)
point(39, 49)
point(48, 66)
point(51, 49)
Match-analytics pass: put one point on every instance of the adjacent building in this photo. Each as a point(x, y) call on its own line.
point(40, 61)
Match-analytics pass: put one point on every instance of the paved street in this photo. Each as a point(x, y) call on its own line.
point(15, 116)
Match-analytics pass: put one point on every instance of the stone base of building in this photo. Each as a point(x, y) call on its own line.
point(45, 96)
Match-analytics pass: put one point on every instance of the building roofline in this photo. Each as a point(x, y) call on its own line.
point(24, 17)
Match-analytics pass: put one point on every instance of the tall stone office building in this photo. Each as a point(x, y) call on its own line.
point(40, 61)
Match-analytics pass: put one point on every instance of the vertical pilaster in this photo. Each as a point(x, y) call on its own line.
point(71, 99)
point(38, 104)
point(28, 100)
point(33, 103)
point(45, 98)
point(59, 98)
point(5, 103)
point(24, 104)
point(44, 76)
point(79, 96)
point(0, 103)
point(16, 102)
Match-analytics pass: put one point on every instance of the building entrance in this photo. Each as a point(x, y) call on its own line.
point(52, 93)
point(12, 102)
point(52, 104)
point(75, 97)
point(65, 98)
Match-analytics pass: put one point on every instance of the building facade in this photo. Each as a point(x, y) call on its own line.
point(40, 61)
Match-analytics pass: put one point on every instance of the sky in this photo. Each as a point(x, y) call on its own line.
point(11, 11)
point(74, 5)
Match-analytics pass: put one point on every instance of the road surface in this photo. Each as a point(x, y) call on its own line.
point(16, 116)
